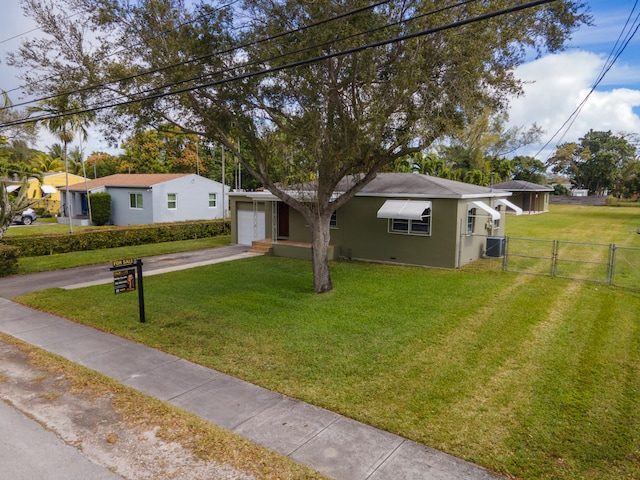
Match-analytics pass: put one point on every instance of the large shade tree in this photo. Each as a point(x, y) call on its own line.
point(597, 162)
point(343, 87)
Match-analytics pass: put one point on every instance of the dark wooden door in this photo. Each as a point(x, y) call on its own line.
point(283, 220)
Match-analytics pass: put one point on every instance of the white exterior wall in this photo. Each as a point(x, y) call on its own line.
point(121, 211)
point(192, 199)
point(192, 194)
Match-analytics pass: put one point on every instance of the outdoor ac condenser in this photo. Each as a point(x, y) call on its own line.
point(496, 246)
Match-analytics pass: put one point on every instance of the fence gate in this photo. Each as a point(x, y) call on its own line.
point(603, 263)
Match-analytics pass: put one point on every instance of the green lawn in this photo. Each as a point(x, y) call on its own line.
point(44, 228)
point(529, 376)
point(92, 257)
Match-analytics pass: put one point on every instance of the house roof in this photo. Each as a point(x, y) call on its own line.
point(419, 185)
point(131, 180)
point(522, 186)
point(406, 185)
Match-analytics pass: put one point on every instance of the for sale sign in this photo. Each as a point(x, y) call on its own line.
point(124, 280)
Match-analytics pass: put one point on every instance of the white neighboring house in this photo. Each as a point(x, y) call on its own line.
point(154, 198)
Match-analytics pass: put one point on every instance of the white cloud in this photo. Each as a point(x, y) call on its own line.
point(556, 86)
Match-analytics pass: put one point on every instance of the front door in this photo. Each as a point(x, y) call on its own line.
point(283, 220)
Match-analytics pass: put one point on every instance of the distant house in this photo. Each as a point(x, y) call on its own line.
point(530, 197)
point(154, 198)
point(51, 191)
point(405, 218)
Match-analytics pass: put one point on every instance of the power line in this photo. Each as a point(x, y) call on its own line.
point(245, 45)
point(606, 67)
point(290, 53)
point(299, 63)
point(231, 3)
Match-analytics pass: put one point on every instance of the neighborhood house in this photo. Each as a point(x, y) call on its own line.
point(153, 198)
point(406, 218)
point(530, 197)
point(52, 191)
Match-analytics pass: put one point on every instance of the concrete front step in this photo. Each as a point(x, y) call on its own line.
point(261, 246)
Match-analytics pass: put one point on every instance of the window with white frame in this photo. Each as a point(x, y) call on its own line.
point(471, 221)
point(135, 200)
point(333, 221)
point(412, 226)
point(213, 200)
point(496, 222)
point(172, 201)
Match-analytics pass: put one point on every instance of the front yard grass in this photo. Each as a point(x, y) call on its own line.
point(532, 377)
point(528, 376)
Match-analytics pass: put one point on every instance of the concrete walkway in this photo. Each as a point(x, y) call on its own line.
point(340, 448)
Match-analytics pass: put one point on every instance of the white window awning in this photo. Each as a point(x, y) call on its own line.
point(48, 189)
point(508, 204)
point(483, 206)
point(409, 209)
point(13, 188)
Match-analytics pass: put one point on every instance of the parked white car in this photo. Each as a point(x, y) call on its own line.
point(26, 218)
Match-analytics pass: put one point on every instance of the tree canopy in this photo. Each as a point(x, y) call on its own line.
point(303, 90)
point(601, 162)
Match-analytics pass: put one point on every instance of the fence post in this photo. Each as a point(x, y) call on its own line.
point(505, 258)
point(612, 262)
point(554, 258)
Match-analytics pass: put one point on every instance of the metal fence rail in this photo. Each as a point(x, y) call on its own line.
point(594, 262)
point(626, 261)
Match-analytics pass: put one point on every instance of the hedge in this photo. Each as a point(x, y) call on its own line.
point(117, 237)
point(100, 208)
point(8, 260)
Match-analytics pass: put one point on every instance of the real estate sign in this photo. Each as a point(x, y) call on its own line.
point(124, 279)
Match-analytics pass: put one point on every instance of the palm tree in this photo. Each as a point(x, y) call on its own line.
point(75, 161)
point(64, 124)
point(47, 163)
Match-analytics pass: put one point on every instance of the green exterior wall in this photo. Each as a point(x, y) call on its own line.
point(359, 234)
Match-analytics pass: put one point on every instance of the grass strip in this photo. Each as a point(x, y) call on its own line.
point(205, 440)
point(93, 257)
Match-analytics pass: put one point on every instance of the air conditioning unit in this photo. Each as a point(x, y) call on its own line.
point(496, 246)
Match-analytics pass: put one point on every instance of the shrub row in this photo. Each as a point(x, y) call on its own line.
point(116, 237)
point(8, 260)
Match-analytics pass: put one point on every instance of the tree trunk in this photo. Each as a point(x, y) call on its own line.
point(320, 254)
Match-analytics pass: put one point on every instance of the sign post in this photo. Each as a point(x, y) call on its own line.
point(124, 280)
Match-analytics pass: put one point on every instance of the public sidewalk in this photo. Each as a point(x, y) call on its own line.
point(330, 443)
point(334, 445)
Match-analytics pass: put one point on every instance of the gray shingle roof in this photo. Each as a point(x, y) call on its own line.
point(418, 185)
point(522, 186)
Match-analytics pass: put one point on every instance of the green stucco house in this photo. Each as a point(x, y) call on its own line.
point(404, 218)
point(530, 197)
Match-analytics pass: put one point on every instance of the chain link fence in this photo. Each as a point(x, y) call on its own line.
point(603, 263)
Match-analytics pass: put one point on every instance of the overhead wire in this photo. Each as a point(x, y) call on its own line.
point(618, 48)
point(243, 46)
point(298, 63)
point(105, 57)
point(283, 55)
point(196, 59)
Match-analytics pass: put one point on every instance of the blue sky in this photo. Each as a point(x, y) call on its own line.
point(556, 84)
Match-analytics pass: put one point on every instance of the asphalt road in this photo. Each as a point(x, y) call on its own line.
point(29, 452)
point(17, 285)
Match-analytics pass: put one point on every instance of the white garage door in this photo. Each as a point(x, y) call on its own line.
point(246, 231)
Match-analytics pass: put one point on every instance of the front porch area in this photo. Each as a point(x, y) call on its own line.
point(79, 220)
point(288, 249)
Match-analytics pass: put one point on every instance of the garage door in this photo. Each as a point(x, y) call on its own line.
point(246, 232)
